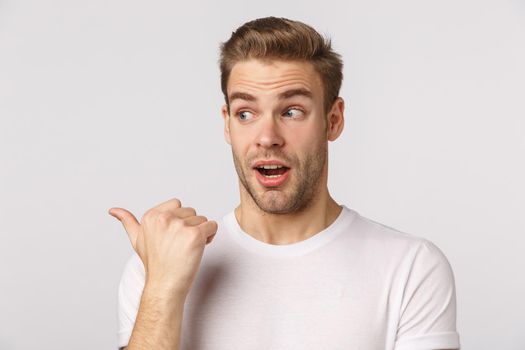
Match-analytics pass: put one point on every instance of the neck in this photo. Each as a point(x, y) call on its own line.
point(289, 228)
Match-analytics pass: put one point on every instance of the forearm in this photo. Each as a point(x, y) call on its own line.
point(159, 320)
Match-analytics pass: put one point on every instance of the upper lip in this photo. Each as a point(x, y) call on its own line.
point(269, 162)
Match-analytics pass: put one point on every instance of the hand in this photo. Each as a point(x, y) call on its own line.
point(170, 240)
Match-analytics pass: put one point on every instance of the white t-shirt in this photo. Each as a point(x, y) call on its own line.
point(356, 285)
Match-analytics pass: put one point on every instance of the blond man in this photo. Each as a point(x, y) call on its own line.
point(289, 267)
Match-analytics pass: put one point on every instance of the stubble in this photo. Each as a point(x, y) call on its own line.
point(298, 193)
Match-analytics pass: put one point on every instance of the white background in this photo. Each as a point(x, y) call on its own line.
point(116, 103)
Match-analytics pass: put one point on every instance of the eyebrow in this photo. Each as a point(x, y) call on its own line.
point(282, 96)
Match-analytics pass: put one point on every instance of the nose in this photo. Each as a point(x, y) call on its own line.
point(269, 133)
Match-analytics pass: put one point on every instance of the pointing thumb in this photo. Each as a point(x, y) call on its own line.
point(128, 220)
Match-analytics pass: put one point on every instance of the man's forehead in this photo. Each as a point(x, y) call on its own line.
point(274, 76)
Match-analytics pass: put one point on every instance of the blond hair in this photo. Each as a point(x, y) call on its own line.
point(282, 38)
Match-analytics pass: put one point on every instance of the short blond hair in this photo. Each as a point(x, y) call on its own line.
point(282, 38)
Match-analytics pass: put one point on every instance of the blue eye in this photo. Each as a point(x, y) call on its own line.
point(244, 115)
point(296, 114)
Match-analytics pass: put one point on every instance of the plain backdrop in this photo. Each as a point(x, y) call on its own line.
point(117, 103)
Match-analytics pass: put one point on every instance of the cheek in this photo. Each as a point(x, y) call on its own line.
point(305, 138)
point(302, 147)
point(240, 143)
point(238, 135)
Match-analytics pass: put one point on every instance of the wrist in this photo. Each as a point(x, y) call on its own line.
point(164, 290)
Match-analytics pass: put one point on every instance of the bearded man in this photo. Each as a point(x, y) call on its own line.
point(289, 267)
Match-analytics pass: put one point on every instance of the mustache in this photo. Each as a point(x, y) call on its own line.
point(274, 156)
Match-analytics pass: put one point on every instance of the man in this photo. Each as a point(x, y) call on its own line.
point(289, 268)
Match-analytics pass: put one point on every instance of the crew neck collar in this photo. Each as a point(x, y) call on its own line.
point(338, 226)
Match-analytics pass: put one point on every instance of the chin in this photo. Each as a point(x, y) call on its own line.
point(276, 203)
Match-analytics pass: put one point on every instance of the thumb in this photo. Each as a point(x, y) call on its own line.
point(130, 223)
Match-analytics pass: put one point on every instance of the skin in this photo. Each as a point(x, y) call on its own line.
point(294, 130)
point(170, 239)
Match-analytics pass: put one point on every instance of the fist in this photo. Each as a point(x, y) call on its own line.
point(170, 240)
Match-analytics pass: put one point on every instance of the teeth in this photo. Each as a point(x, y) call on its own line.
point(271, 176)
point(273, 166)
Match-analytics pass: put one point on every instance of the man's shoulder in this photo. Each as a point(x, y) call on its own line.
point(386, 240)
point(375, 231)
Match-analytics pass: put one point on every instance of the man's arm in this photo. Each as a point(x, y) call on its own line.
point(170, 241)
point(159, 319)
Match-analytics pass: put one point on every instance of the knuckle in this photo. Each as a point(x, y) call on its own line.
point(192, 210)
point(148, 215)
point(164, 218)
point(177, 223)
point(193, 231)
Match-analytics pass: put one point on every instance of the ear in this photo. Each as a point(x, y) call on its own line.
point(335, 119)
point(226, 117)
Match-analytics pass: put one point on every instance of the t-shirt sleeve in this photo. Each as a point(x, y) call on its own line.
point(428, 309)
point(129, 295)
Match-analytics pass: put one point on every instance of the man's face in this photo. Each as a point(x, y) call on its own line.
point(276, 117)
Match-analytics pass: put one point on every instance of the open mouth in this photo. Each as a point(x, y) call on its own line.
point(272, 171)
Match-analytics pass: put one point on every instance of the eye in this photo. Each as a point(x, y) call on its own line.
point(293, 112)
point(245, 115)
